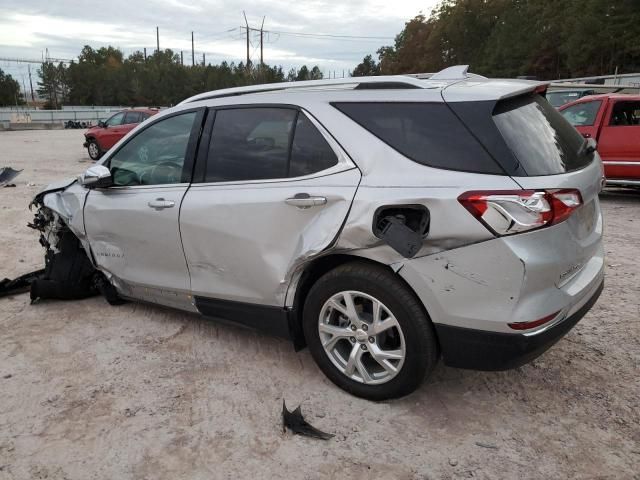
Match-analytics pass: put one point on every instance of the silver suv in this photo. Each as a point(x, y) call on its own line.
point(383, 222)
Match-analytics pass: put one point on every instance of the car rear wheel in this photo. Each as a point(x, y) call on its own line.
point(94, 150)
point(368, 332)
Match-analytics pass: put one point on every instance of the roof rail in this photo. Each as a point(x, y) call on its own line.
point(414, 80)
point(381, 82)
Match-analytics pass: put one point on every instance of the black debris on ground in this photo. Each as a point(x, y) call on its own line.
point(20, 284)
point(295, 422)
point(7, 174)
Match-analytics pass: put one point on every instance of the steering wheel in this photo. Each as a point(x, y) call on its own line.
point(169, 172)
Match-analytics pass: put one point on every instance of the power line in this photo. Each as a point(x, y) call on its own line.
point(327, 35)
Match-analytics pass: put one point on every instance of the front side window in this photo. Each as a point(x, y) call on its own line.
point(155, 156)
point(132, 117)
point(625, 114)
point(265, 143)
point(115, 120)
point(582, 114)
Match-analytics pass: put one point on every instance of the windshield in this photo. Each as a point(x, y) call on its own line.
point(557, 99)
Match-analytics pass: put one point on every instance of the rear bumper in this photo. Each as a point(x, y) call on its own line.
point(484, 350)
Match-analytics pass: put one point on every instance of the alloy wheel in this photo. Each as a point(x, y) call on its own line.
point(361, 337)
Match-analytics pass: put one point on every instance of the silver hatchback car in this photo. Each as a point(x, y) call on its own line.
point(383, 222)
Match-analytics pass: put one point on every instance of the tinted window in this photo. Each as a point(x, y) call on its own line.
point(115, 120)
point(625, 114)
point(132, 117)
point(155, 155)
point(250, 144)
point(428, 133)
point(540, 138)
point(582, 114)
point(310, 152)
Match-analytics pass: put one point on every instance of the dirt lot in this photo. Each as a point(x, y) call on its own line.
point(89, 391)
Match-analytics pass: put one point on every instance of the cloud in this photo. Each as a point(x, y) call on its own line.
point(29, 27)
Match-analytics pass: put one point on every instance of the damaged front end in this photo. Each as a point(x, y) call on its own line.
point(68, 272)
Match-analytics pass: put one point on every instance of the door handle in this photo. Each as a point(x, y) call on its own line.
point(304, 200)
point(160, 203)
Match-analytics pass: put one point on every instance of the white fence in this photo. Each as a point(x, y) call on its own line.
point(91, 116)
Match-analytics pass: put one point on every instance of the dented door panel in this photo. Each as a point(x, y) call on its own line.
point(243, 241)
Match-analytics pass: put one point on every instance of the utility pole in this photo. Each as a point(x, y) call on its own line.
point(31, 83)
point(193, 55)
point(181, 58)
point(158, 39)
point(145, 54)
point(261, 38)
point(247, 28)
point(203, 60)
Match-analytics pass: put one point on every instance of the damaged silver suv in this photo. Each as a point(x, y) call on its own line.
point(383, 222)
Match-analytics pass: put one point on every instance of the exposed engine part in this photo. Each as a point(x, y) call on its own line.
point(68, 272)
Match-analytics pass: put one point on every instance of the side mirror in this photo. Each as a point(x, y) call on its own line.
point(102, 124)
point(96, 176)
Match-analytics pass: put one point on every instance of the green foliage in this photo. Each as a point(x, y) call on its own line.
point(9, 90)
point(507, 38)
point(105, 77)
point(368, 67)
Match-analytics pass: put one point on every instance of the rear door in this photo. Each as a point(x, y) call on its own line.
point(272, 190)
point(619, 141)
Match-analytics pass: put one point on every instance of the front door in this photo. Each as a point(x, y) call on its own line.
point(132, 227)
point(274, 193)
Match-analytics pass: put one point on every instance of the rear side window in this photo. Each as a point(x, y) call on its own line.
point(582, 114)
point(543, 142)
point(310, 152)
point(625, 114)
point(427, 133)
point(265, 143)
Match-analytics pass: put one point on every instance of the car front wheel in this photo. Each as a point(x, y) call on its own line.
point(368, 332)
point(94, 150)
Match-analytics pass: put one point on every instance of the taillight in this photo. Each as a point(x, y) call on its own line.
point(534, 323)
point(508, 212)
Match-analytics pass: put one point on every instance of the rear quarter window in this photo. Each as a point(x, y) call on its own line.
point(427, 133)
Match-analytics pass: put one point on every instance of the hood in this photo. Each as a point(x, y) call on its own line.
point(54, 187)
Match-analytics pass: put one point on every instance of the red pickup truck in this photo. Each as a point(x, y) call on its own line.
point(106, 134)
point(614, 122)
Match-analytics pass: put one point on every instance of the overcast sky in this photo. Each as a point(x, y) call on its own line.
point(28, 27)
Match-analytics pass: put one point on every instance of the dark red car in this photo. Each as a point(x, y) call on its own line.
point(106, 134)
point(614, 122)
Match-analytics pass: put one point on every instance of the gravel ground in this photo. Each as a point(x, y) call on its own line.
point(89, 391)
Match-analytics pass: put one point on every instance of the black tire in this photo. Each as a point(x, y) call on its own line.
point(94, 150)
point(421, 345)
